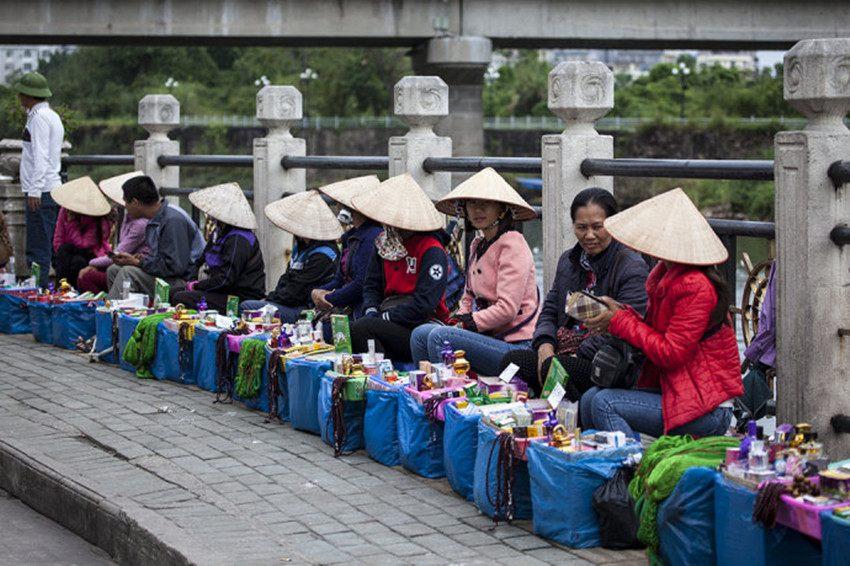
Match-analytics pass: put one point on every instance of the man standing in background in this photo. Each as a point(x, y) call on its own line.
point(40, 163)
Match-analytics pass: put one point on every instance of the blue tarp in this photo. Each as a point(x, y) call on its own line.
point(72, 321)
point(14, 315)
point(741, 542)
point(303, 377)
point(380, 426)
point(203, 357)
point(420, 443)
point(835, 535)
point(103, 334)
point(41, 321)
point(460, 442)
point(484, 484)
point(166, 363)
point(126, 326)
point(686, 520)
point(562, 486)
point(352, 414)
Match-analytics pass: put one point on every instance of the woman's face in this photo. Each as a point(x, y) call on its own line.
point(483, 213)
point(589, 228)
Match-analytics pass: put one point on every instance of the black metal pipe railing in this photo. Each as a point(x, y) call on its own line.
point(71, 160)
point(350, 162)
point(206, 160)
point(839, 172)
point(473, 164)
point(840, 235)
point(732, 169)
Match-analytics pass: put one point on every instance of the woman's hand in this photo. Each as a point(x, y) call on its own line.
point(318, 296)
point(544, 352)
point(600, 323)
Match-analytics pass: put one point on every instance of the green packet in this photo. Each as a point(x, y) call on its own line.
point(557, 374)
point(161, 292)
point(232, 306)
point(341, 332)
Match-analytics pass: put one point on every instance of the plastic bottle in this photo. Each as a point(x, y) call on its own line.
point(447, 354)
point(10, 265)
point(125, 289)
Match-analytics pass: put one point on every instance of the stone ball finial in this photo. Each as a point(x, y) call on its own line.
point(581, 92)
point(421, 101)
point(159, 114)
point(817, 81)
point(279, 107)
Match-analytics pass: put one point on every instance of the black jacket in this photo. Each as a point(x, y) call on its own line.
point(241, 271)
point(620, 274)
point(169, 236)
point(301, 277)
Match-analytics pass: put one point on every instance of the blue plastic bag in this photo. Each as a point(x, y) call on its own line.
point(103, 335)
point(126, 327)
point(686, 520)
point(380, 426)
point(484, 484)
point(562, 486)
point(166, 362)
point(460, 442)
point(420, 442)
point(835, 537)
point(72, 321)
point(352, 414)
point(14, 315)
point(203, 357)
point(41, 321)
point(303, 377)
point(740, 541)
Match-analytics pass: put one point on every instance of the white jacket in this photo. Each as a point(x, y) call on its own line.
point(42, 150)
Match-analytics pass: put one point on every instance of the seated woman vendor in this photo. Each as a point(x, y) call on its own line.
point(83, 227)
point(232, 263)
point(596, 265)
point(499, 307)
point(406, 280)
point(692, 369)
point(314, 252)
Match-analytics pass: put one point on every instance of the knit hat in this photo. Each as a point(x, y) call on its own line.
point(489, 186)
point(669, 227)
point(401, 203)
point(113, 186)
point(226, 203)
point(305, 215)
point(81, 196)
point(33, 84)
point(344, 191)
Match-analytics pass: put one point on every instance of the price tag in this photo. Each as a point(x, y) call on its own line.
point(508, 373)
point(557, 394)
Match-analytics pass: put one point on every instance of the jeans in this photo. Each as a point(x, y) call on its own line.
point(40, 226)
point(284, 313)
point(639, 410)
point(484, 353)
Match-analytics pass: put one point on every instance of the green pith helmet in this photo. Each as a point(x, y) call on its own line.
point(33, 84)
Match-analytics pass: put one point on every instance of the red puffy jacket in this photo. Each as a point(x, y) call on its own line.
point(695, 375)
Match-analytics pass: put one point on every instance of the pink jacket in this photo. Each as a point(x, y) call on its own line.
point(131, 240)
point(505, 279)
point(84, 232)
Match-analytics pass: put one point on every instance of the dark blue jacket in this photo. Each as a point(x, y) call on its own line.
point(347, 286)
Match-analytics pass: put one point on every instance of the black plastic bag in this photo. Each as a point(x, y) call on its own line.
point(615, 511)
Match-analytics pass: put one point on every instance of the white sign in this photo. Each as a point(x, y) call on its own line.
point(508, 373)
point(557, 394)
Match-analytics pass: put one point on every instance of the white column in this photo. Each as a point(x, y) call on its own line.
point(421, 102)
point(813, 362)
point(158, 114)
point(278, 109)
point(580, 92)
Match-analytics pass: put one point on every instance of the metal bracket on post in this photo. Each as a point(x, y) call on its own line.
point(840, 235)
point(839, 172)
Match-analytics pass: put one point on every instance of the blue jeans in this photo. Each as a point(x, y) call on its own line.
point(40, 226)
point(639, 410)
point(483, 352)
point(286, 314)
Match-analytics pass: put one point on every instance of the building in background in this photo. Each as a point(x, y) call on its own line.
point(18, 59)
point(632, 62)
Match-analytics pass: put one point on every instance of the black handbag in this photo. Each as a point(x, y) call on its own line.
point(616, 365)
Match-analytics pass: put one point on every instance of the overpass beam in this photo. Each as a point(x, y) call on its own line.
point(158, 114)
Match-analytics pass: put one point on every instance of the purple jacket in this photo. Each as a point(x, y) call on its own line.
point(131, 240)
point(763, 347)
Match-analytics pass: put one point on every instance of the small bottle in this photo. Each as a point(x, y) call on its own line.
point(447, 354)
point(10, 266)
point(125, 289)
point(757, 460)
point(202, 303)
point(460, 364)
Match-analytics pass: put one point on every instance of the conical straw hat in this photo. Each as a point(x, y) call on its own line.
point(81, 196)
point(344, 191)
point(486, 185)
point(226, 203)
point(668, 227)
point(306, 215)
point(113, 186)
point(401, 203)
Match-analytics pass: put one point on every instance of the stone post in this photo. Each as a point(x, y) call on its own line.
point(580, 92)
point(158, 114)
point(813, 362)
point(421, 102)
point(278, 109)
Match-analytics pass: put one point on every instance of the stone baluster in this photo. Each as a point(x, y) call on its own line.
point(158, 114)
point(813, 277)
point(278, 109)
point(421, 102)
point(580, 92)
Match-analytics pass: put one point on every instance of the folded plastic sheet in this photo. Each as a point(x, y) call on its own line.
point(41, 321)
point(352, 415)
point(380, 426)
point(835, 539)
point(485, 476)
point(72, 321)
point(303, 378)
point(103, 335)
point(420, 442)
point(126, 327)
point(460, 443)
point(203, 357)
point(14, 315)
point(686, 520)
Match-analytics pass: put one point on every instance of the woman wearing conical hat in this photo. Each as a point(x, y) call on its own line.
point(406, 281)
point(314, 252)
point(83, 227)
point(232, 263)
point(131, 237)
point(500, 303)
point(692, 370)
